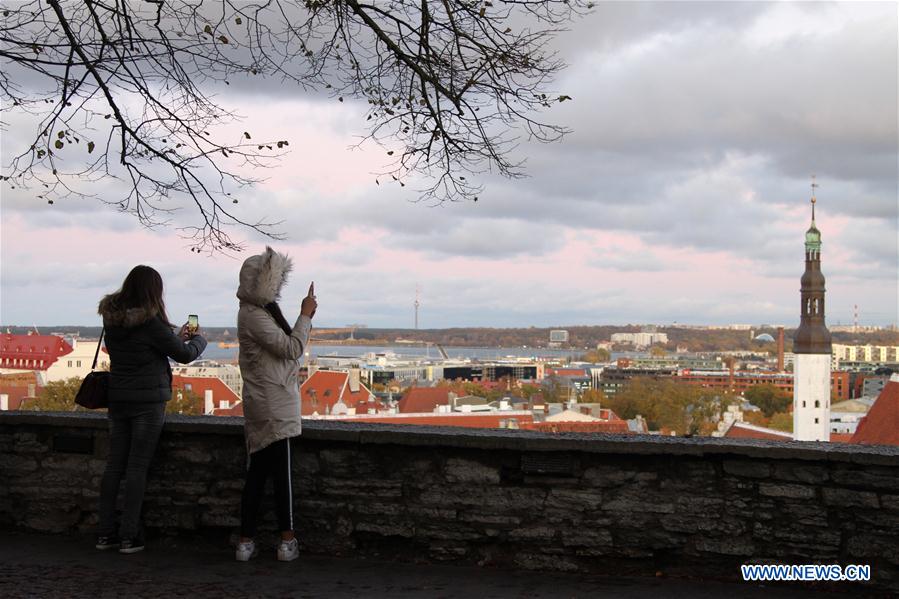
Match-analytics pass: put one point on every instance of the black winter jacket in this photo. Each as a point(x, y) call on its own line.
point(140, 345)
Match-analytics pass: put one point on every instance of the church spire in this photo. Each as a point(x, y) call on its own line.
point(812, 336)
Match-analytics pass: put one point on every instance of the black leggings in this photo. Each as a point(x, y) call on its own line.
point(273, 461)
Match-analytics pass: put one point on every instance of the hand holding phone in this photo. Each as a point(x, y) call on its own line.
point(309, 304)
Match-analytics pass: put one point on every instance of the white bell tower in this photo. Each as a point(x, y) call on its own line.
point(811, 344)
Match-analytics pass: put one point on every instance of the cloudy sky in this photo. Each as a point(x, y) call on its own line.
point(681, 194)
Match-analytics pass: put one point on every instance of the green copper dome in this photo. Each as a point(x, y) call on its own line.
point(813, 238)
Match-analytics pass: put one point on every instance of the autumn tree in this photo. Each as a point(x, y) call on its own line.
point(592, 396)
point(596, 356)
point(57, 396)
point(782, 421)
point(768, 398)
point(185, 402)
point(684, 409)
point(131, 91)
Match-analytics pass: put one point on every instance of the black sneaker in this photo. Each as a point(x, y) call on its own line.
point(107, 542)
point(131, 546)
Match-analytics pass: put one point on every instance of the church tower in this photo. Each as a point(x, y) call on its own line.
point(811, 344)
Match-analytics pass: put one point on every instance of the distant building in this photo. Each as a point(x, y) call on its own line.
point(30, 352)
point(642, 339)
point(16, 388)
point(872, 354)
point(218, 399)
point(328, 392)
point(229, 374)
point(558, 336)
point(77, 363)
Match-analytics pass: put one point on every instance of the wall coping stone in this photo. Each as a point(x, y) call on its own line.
point(496, 439)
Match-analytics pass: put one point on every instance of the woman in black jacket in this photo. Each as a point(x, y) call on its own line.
point(140, 340)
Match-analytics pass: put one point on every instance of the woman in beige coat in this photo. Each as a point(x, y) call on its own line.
point(269, 350)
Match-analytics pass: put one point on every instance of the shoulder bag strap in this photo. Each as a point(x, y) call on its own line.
point(97, 353)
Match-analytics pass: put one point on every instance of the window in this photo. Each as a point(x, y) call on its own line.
point(188, 387)
point(803, 404)
point(817, 405)
point(78, 364)
point(70, 363)
point(816, 421)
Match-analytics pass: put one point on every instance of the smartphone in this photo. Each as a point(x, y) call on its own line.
point(192, 323)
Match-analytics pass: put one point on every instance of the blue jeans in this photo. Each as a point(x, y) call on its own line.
point(133, 434)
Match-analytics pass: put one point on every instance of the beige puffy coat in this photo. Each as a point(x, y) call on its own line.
point(268, 356)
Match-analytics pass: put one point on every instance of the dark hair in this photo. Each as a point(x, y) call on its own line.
point(275, 311)
point(142, 288)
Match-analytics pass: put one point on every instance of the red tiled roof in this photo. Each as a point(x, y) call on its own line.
point(468, 420)
point(840, 437)
point(567, 372)
point(423, 399)
point(611, 426)
point(738, 431)
point(881, 425)
point(220, 392)
point(15, 386)
point(31, 352)
point(325, 388)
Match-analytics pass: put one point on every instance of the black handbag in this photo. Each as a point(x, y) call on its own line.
point(94, 391)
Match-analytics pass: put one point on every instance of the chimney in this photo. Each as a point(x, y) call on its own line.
point(780, 349)
point(207, 401)
point(4, 402)
point(354, 380)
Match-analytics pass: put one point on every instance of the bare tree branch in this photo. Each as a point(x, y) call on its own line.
point(452, 86)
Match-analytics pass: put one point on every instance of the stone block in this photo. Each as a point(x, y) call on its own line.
point(532, 533)
point(850, 498)
point(29, 442)
point(747, 468)
point(801, 473)
point(608, 476)
point(360, 487)
point(575, 499)
point(486, 499)
point(458, 470)
point(17, 465)
point(786, 490)
point(386, 529)
point(488, 519)
point(870, 478)
point(306, 463)
point(725, 546)
point(890, 502)
point(597, 537)
point(345, 462)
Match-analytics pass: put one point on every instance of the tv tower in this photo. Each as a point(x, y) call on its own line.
point(416, 304)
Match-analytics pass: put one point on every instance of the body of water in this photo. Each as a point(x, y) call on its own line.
point(214, 352)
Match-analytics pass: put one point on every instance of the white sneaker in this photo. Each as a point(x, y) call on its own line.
point(245, 551)
point(288, 550)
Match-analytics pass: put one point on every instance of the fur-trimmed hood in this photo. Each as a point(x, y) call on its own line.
point(263, 276)
point(123, 317)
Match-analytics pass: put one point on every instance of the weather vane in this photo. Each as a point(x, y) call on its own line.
point(814, 185)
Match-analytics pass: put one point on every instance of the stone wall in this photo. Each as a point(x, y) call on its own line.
point(587, 503)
